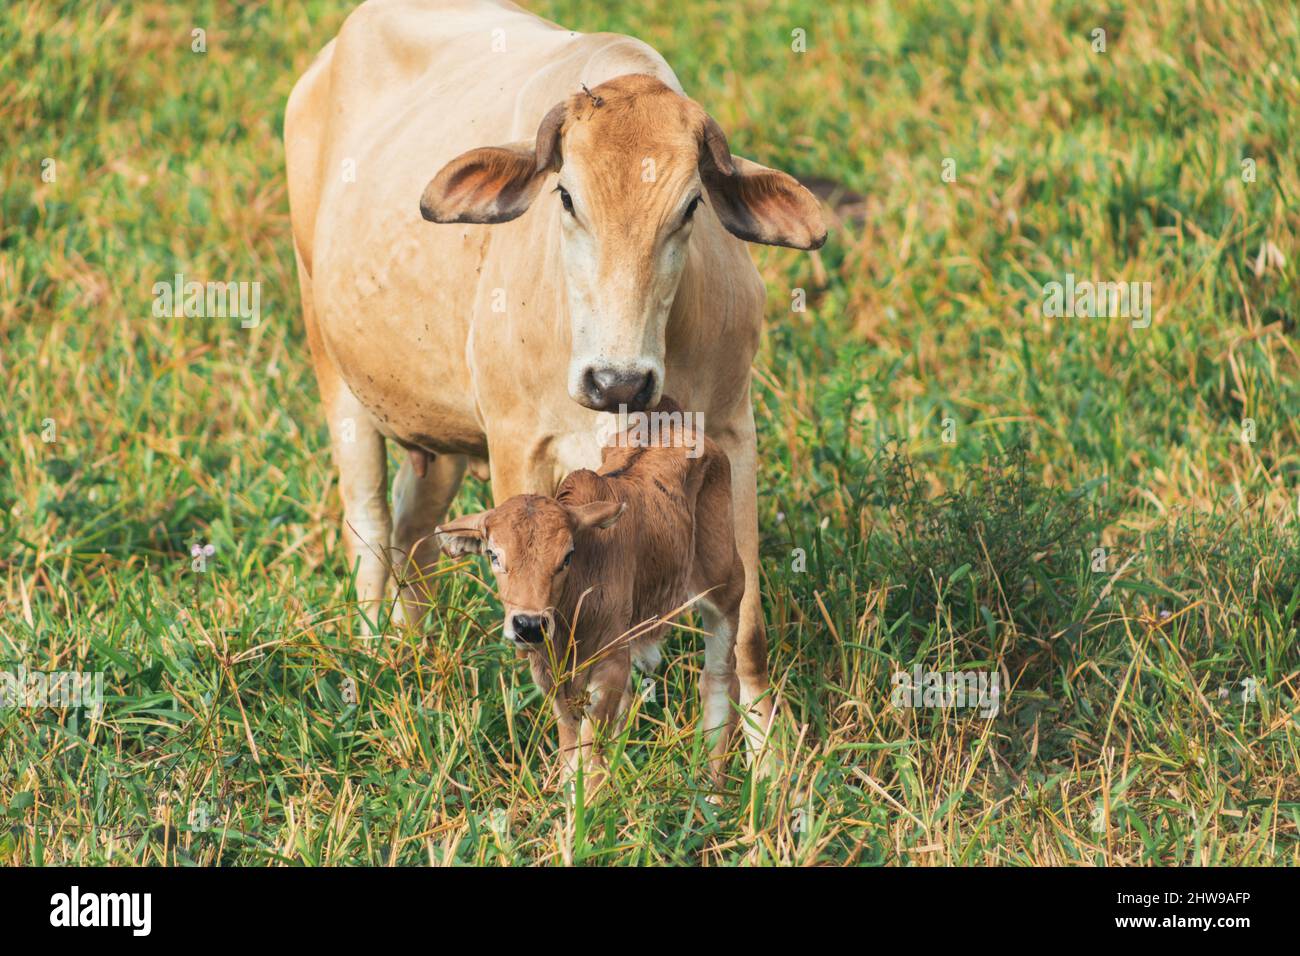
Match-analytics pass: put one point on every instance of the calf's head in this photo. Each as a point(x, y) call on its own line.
point(635, 162)
point(530, 542)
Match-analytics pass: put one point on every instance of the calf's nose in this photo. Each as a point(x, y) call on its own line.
point(529, 628)
point(608, 388)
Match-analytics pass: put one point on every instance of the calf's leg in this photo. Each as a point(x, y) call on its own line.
point(567, 722)
point(605, 689)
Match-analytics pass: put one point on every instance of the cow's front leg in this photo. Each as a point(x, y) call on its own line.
point(719, 688)
point(568, 722)
point(525, 461)
point(603, 705)
point(362, 462)
point(519, 466)
point(739, 442)
point(570, 740)
point(419, 504)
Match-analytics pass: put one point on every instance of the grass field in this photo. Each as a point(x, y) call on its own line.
point(939, 460)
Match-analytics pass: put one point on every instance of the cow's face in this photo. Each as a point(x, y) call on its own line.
point(636, 163)
point(530, 542)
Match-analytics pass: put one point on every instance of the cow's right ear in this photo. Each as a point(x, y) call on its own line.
point(495, 183)
point(463, 536)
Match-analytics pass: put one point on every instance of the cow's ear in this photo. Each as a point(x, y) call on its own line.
point(596, 514)
point(462, 536)
point(755, 203)
point(495, 183)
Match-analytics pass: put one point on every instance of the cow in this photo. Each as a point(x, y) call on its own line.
point(504, 232)
point(589, 578)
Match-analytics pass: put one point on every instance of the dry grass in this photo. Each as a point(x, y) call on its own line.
point(226, 738)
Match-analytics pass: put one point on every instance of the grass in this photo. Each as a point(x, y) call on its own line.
point(940, 461)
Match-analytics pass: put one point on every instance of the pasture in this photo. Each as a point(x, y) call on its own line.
point(954, 476)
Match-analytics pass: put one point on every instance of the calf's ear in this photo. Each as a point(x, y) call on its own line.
point(495, 183)
point(462, 536)
point(596, 514)
point(755, 203)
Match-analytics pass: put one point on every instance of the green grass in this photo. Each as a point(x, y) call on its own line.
point(226, 690)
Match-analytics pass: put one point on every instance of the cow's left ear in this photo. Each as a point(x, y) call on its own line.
point(462, 536)
point(596, 514)
point(495, 183)
point(755, 203)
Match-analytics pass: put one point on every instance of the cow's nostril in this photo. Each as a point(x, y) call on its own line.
point(529, 628)
point(642, 398)
point(590, 387)
point(610, 388)
point(606, 380)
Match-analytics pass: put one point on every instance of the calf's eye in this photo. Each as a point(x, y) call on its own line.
point(566, 200)
point(690, 210)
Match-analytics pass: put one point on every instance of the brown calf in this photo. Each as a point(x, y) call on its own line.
point(587, 577)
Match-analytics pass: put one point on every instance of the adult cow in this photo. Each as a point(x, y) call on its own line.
point(586, 258)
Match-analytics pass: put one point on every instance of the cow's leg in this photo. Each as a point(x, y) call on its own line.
point(605, 687)
point(517, 468)
point(419, 504)
point(719, 686)
point(362, 463)
point(739, 443)
point(565, 719)
point(718, 573)
point(570, 740)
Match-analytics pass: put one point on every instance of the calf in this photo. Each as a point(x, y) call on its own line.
point(588, 577)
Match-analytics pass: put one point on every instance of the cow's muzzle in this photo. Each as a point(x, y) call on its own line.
point(605, 388)
point(528, 628)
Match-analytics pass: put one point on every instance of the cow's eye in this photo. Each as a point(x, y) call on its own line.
point(690, 210)
point(495, 558)
point(567, 558)
point(566, 200)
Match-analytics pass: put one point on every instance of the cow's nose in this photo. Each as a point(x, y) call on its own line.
point(608, 388)
point(529, 628)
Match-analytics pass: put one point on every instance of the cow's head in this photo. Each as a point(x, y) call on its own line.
point(636, 160)
point(530, 541)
